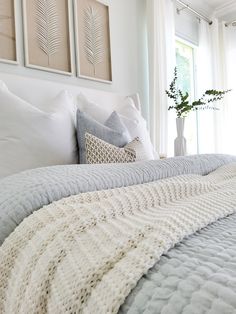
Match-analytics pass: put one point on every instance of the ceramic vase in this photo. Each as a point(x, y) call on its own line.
point(180, 141)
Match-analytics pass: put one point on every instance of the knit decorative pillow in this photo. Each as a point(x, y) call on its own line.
point(112, 131)
point(101, 152)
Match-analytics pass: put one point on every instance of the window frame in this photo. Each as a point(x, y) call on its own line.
point(194, 47)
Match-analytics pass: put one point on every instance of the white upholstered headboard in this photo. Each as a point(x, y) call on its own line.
point(38, 92)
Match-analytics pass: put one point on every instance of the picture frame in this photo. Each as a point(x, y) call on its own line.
point(86, 64)
point(55, 54)
point(11, 48)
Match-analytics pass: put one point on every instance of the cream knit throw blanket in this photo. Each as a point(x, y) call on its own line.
point(85, 253)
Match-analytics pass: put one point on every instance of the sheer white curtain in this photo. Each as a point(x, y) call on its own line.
point(227, 120)
point(204, 81)
point(161, 52)
point(216, 68)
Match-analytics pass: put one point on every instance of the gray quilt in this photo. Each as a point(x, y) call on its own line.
point(195, 277)
point(23, 193)
point(192, 278)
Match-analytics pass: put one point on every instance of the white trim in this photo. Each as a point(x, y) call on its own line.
point(71, 36)
point(194, 87)
point(185, 41)
point(26, 48)
point(16, 62)
point(186, 38)
point(225, 9)
point(9, 61)
point(77, 55)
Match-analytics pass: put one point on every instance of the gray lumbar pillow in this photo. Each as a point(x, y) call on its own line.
point(113, 132)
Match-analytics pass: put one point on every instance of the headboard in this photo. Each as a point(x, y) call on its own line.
point(38, 92)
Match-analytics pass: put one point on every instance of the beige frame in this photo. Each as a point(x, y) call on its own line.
point(16, 62)
point(26, 48)
point(77, 49)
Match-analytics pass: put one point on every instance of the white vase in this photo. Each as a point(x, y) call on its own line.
point(180, 141)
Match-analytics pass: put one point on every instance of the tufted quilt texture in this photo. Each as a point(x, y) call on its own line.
point(197, 276)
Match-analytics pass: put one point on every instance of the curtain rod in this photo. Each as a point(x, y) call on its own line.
point(201, 16)
point(233, 23)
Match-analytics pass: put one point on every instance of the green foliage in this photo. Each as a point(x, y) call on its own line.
point(182, 102)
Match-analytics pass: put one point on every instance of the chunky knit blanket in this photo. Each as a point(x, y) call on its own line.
point(85, 253)
point(23, 193)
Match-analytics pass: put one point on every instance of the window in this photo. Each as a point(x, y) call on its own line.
point(185, 66)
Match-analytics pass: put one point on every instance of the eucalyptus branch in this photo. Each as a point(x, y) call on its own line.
point(182, 100)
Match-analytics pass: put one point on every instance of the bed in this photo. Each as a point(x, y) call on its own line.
point(145, 237)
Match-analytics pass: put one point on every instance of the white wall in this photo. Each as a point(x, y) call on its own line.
point(126, 43)
point(142, 48)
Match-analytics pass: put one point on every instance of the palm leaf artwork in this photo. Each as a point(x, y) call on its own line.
point(4, 18)
point(48, 30)
point(93, 44)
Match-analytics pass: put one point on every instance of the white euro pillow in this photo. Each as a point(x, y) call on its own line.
point(31, 138)
point(129, 110)
point(92, 109)
point(100, 114)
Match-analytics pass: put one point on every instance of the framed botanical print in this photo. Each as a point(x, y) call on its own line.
point(48, 35)
point(93, 47)
point(8, 40)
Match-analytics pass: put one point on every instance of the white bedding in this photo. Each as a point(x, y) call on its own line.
point(31, 138)
point(37, 129)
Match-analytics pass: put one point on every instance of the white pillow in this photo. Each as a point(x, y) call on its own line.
point(93, 110)
point(31, 138)
point(129, 110)
point(100, 114)
point(3, 86)
point(130, 116)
